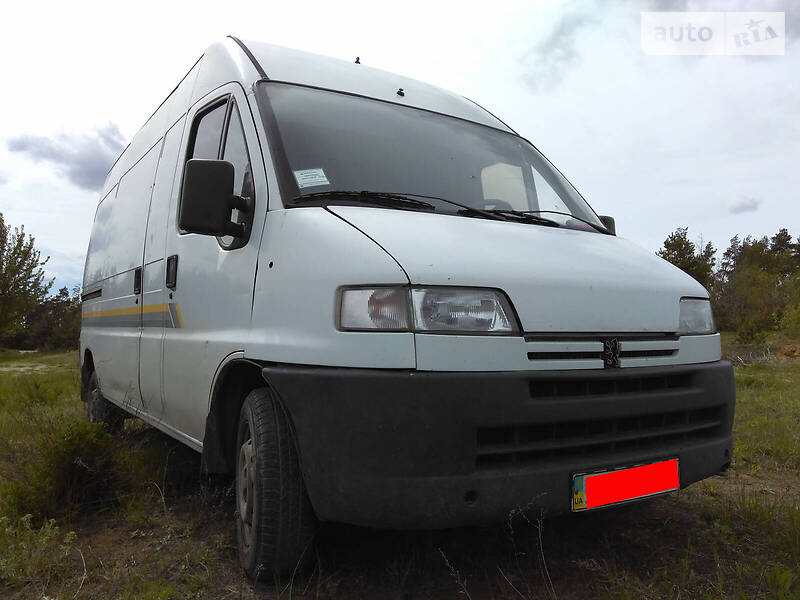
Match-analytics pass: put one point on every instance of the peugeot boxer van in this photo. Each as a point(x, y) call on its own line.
point(371, 301)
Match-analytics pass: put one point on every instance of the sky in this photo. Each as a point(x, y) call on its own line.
point(711, 143)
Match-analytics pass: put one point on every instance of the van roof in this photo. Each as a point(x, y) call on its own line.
point(247, 62)
point(305, 68)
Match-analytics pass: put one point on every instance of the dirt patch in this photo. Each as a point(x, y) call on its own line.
point(780, 485)
point(790, 351)
point(24, 368)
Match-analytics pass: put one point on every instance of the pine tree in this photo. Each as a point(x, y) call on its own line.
point(682, 252)
point(23, 283)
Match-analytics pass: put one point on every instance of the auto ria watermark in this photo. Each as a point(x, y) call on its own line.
point(719, 33)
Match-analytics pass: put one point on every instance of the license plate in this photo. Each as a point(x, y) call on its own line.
point(595, 490)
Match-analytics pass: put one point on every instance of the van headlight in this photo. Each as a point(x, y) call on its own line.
point(695, 317)
point(427, 309)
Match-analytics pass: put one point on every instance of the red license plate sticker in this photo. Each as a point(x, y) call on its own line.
point(602, 489)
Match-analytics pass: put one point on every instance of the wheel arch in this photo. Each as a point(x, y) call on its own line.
point(235, 379)
point(87, 368)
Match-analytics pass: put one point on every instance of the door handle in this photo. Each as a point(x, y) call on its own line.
point(137, 281)
point(172, 272)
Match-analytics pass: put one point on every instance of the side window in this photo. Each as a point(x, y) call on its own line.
point(208, 132)
point(547, 197)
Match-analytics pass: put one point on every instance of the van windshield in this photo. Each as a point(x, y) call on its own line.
point(327, 141)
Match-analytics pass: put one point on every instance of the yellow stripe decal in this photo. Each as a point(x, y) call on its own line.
point(153, 308)
point(180, 317)
point(114, 312)
point(137, 310)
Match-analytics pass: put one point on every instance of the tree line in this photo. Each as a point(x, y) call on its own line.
point(754, 289)
point(30, 317)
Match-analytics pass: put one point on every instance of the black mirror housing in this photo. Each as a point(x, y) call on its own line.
point(609, 223)
point(207, 198)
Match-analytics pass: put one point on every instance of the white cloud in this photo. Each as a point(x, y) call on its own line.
point(745, 204)
point(550, 59)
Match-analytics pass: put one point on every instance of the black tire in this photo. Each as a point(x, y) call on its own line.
point(275, 523)
point(100, 410)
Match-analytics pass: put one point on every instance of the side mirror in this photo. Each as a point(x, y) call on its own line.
point(609, 223)
point(207, 199)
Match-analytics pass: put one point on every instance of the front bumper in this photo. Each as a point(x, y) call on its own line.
point(413, 449)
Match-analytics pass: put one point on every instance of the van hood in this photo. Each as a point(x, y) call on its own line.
point(559, 280)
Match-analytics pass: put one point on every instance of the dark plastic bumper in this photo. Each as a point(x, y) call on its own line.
point(413, 449)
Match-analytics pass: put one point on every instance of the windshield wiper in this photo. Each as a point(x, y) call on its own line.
point(466, 208)
point(599, 228)
point(525, 216)
point(409, 200)
point(397, 199)
point(368, 197)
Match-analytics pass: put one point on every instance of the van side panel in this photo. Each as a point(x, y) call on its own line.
point(155, 296)
point(118, 232)
point(156, 237)
point(112, 324)
point(94, 264)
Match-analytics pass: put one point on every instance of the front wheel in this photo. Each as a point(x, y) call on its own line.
point(275, 523)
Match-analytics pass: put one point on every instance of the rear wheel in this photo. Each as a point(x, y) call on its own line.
point(99, 409)
point(275, 523)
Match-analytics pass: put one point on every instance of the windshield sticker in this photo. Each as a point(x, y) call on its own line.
point(310, 178)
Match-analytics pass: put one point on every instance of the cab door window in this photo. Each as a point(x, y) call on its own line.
point(208, 132)
point(547, 199)
point(235, 152)
point(218, 135)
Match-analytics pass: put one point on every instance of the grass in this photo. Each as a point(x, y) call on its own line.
point(768, 414)
point(33, 555)
point(86, 515)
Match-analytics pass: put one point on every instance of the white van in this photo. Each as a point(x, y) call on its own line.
point(375, 303)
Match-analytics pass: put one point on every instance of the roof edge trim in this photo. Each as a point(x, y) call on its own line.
point(491, 113)
point(252, 58)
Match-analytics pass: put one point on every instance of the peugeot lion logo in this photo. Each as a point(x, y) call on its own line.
point(611, 353)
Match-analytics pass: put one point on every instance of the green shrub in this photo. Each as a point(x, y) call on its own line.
point(32, 555)
point(779, 581)
point(75, 469)
point(790, 323)
point(751, 331)
point(55, 465)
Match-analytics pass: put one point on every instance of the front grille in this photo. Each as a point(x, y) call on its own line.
point(520, 445)
point(549, 389)
point(597, 355)
point(586, 350)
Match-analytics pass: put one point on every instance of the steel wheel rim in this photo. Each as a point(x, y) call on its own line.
point(94, 396)
point(245, 489)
